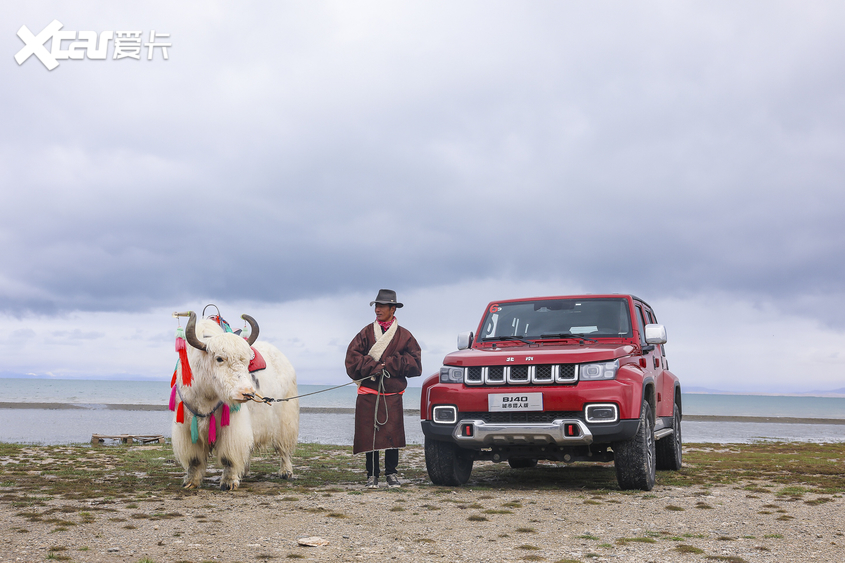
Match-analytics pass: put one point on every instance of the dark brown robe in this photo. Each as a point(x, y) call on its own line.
point(401, 359)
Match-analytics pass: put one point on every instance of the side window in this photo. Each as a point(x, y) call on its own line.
point(641, 323)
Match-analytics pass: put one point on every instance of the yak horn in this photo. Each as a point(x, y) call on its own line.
point(253, 329)
point(191, 333)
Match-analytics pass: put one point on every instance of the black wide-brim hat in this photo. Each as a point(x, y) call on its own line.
point(386, 297)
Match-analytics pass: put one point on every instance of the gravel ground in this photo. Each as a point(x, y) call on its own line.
point(420, 522)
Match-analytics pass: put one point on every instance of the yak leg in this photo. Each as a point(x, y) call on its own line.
point(195, 472)
point(231, 478)
point(285, 465)
point(192, 457)
point(233, 451)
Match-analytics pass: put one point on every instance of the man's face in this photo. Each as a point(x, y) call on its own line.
point(384, 312)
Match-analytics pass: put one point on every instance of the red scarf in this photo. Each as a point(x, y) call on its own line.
point(387, 325)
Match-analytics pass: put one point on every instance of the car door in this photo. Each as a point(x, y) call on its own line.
point(651, 358)
point(664, 385)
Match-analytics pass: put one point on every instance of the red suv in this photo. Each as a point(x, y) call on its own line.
point(573, 378)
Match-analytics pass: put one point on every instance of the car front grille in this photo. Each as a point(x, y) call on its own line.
point(542, 374)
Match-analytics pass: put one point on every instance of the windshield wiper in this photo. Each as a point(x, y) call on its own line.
point(567, 335)
point(509, 338)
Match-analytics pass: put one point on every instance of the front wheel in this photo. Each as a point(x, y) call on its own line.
point(635, 458)
point(447, 464)
point(669, 454)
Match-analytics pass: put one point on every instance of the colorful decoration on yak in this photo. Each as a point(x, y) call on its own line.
point(182, 350)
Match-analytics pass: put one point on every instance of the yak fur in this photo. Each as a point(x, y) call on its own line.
point(220, 374)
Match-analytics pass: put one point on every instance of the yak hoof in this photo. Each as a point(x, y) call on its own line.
point(286, 474)
point(189, 486)
point(229, 486)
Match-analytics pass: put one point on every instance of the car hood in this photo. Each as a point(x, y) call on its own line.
point(516, 355)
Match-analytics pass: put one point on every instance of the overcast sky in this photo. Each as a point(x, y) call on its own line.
point(291, 158)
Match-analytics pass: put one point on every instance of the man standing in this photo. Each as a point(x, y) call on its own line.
point(383, 354)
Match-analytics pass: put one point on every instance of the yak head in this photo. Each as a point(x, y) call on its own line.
point(221, 360)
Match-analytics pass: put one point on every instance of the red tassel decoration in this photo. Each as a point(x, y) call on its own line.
point(212, 428)
point(172, 404)
point(175, 371)
point(186, 367)
point(180, 413)
point(224, 416)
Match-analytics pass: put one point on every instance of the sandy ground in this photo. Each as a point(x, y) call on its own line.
point(420, 522)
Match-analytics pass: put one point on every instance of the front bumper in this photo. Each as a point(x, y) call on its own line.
point(485, 434)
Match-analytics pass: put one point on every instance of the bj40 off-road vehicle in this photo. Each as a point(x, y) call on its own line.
point(577, 378)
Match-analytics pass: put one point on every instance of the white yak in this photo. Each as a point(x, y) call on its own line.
point(220, 380)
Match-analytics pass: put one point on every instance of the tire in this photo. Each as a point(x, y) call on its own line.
point(446, 463)
point(635, 459)
point(522, 462)
point(669, 449)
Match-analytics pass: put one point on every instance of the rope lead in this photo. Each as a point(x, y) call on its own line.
point(376, 423)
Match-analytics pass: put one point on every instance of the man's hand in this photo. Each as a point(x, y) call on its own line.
point(379, 368)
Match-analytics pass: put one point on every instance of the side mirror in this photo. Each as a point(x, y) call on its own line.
point(655, 334)
point(464, 340)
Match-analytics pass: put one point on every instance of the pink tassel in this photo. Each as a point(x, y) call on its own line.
point(224, 417)
point(212, 428)
point(180, 344)
point(172, 404)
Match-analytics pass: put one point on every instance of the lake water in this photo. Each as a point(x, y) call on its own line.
point(60, 426)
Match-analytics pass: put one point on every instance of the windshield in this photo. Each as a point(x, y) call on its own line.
point(554, 318)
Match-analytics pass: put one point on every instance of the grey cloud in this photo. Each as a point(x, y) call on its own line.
point(674, 150)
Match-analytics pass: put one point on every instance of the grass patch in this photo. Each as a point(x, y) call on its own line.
point(686, 548)
point(675, 508)
point(818, 501)
point(477, 518)
point(526, 530)
point(623, 541)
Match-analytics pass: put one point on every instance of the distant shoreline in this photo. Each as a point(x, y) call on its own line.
point(412, 412)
